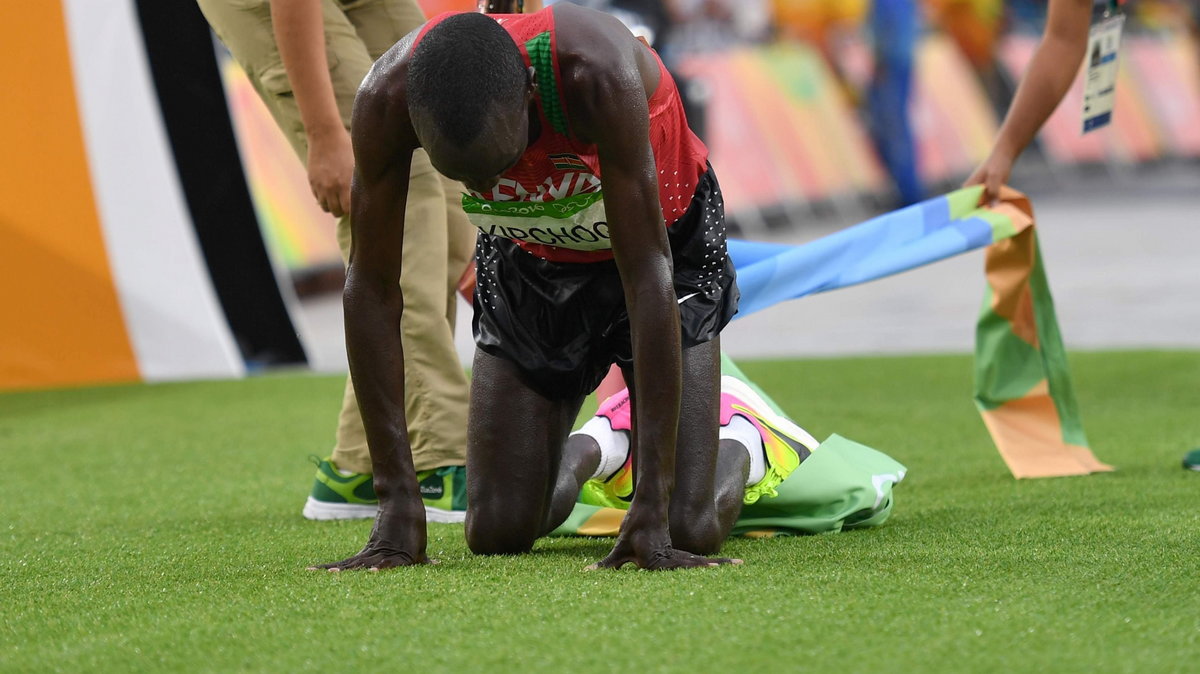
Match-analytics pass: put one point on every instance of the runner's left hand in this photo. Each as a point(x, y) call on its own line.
point(651, 549)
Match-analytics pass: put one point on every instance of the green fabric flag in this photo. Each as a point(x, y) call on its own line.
point(841, 485)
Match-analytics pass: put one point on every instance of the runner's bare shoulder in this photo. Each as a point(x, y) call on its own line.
point(381, 117)
point(599, 60)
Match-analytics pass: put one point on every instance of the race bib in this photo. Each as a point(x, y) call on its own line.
point(577, 222)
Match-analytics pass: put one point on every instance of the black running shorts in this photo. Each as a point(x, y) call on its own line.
point(564, 324)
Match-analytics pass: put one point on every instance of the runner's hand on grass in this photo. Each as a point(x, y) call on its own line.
point(650, 548)
point(396, 540)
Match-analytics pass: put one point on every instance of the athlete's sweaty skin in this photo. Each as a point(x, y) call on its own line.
point(515, 435)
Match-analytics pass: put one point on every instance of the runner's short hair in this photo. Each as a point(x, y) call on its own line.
point(464, 69)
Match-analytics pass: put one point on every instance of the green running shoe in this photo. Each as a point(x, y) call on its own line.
point(444, 491)
point(338, 495)
point(1191, 460)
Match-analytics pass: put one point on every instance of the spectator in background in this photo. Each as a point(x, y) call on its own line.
point(306, 59)
point(1053, 68)
point(974, 25)
point(894, 27)
point(818, 22)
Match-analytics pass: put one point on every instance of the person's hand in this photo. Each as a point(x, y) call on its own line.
point(396, 540)
point(330, 168)
point(650, 548)
point(992, 174)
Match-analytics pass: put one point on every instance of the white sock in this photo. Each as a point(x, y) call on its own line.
point(614, 445)
point(741, 431)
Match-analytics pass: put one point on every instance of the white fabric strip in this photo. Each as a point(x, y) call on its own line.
point(172, 315)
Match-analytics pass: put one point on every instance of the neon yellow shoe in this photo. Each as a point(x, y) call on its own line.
point(785, 444)
point(614, 491)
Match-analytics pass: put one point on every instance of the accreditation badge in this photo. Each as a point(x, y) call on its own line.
point(1099, 87)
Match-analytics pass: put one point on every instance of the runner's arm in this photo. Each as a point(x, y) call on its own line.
point(373, 302)
point(643, 257)
point(1050, 73)
point(607, 78)
point(608, 93)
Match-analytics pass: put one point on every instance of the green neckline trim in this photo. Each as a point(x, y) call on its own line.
point(541, 56)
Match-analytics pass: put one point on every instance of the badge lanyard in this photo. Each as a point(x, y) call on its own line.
point(1100, 79)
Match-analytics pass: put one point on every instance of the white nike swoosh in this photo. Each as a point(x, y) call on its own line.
point(686, 298)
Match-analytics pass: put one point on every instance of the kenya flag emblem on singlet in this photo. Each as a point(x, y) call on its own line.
point(568, 162)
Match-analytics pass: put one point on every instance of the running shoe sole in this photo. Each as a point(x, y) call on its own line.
point(444, 516)
point(325, 511)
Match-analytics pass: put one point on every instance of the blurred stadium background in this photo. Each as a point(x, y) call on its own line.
point(156, 225)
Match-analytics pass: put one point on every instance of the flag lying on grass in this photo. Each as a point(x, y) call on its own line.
point(1022, 383)
point(841, 485)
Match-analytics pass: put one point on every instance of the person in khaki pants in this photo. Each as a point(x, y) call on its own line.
point(306, 59)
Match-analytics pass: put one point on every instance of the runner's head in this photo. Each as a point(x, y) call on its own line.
point(468, 97)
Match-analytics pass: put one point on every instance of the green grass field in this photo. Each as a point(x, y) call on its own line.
point(158, 528)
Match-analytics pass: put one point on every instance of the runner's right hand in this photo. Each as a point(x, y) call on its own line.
point(396, 540)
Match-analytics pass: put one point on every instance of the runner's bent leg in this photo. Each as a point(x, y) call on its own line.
point(733, 467)
point(580, 458)
point(699, 521)
point(515, 442)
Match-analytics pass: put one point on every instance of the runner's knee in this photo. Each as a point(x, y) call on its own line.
point(696, 529)
point(494, 528)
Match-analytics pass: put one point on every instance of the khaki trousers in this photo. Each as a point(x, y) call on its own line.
point(438, 239)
